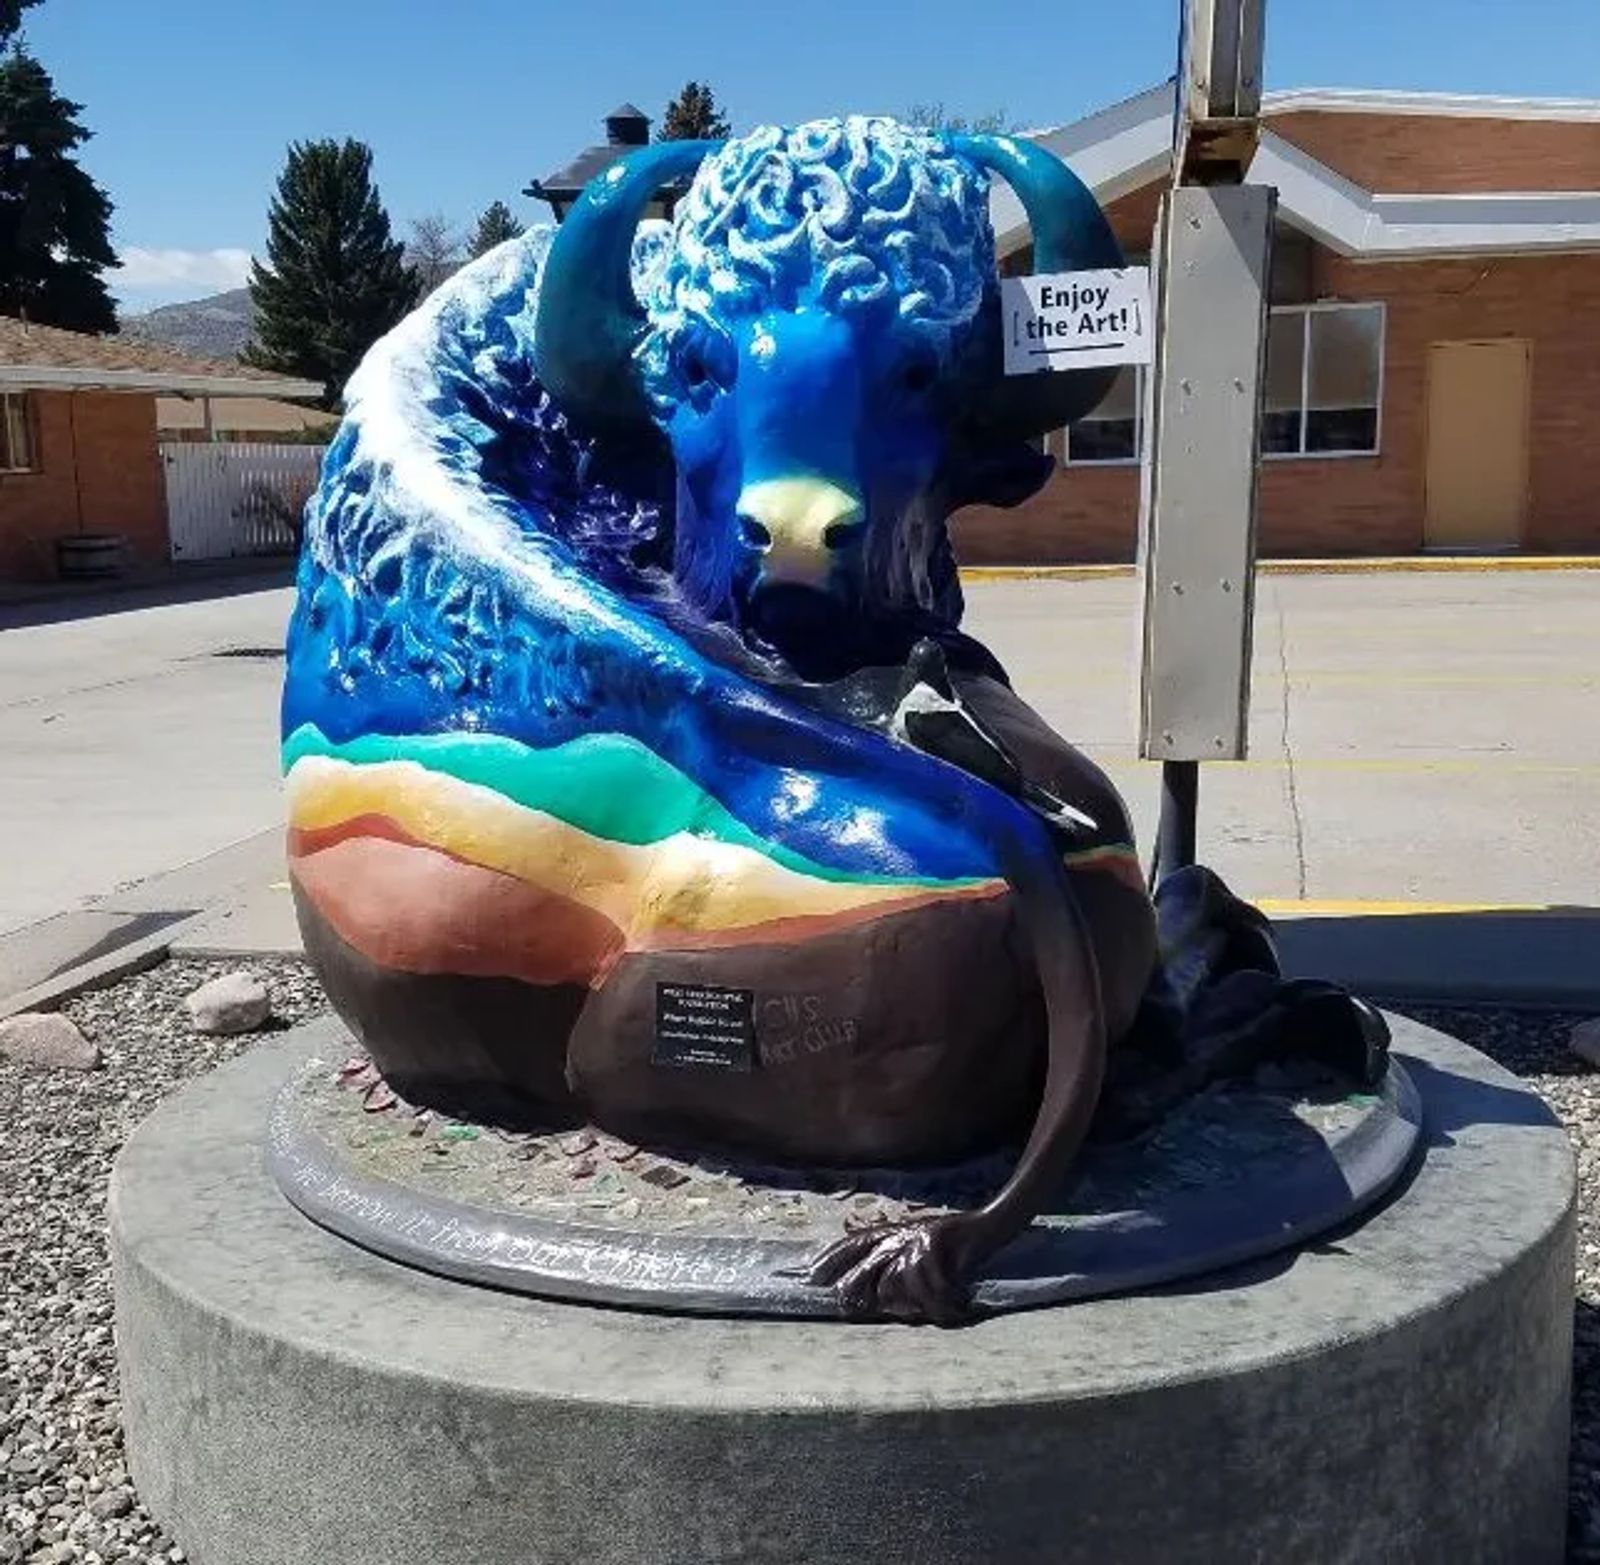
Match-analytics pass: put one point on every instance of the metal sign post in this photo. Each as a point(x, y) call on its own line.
point(1202, 413)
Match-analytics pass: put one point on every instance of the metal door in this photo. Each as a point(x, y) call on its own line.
point(1477, 474)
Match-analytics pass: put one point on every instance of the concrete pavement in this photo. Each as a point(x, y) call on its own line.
point(1413, 738)
point(129, 743)
point(1420, 798)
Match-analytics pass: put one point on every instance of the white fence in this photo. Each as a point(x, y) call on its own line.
point(225, 500)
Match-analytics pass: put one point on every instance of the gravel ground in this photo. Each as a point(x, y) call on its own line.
point(64, 1491)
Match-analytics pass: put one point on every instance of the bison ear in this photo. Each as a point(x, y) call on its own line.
point(1002, 472)
point(1070, 234)
point(589, 320)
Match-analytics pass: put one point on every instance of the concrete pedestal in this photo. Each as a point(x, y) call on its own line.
point(1398, 1392)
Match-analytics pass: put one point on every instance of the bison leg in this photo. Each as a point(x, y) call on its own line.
point(922, 1270)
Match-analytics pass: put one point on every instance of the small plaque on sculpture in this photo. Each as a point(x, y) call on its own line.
point(702, 1025)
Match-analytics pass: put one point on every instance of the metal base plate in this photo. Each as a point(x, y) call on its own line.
point(1241, 1171)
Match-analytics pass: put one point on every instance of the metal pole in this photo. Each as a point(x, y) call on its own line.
point(1175, 833)
point(1202, 417)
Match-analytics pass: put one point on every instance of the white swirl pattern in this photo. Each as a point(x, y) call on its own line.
point(848, 214)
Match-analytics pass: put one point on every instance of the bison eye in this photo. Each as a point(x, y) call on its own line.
point(703, 361)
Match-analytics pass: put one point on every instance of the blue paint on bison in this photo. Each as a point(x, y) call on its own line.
point(620, 478)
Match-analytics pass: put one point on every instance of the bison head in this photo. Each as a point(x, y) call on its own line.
point(820, 346)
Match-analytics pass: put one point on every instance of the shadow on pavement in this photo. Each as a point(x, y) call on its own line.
point(54, 603)
point(1544, 956)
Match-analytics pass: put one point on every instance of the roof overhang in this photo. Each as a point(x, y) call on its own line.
point(50, 377)
point(1353, 222)
point(1444, 105)
point(1114, 152)
point(1128, 146)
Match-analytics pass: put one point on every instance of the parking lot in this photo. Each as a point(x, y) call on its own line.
point(1417, 737)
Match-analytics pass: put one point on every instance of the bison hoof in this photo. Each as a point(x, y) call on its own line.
point(911, 1271)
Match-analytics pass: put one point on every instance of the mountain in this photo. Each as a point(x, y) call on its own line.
point(217, 327)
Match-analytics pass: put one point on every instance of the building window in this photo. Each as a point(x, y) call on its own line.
point(1114, 431)
point(1324, 380)
point(1324, 391)
point(16, 434)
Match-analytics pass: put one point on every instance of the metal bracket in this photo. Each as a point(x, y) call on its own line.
point(1219, 90)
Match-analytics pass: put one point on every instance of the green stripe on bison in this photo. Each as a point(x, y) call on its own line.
point(608, 785)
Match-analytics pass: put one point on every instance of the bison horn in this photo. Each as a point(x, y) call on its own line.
point(589, 320)
point(1070, 233)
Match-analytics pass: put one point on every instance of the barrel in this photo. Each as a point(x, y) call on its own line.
point(88, 556)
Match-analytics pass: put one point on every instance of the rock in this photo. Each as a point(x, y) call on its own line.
point(114, 1503)
point(1584, 1040)
point(233, 1003)
point(47, 1040)
point(665, 1176)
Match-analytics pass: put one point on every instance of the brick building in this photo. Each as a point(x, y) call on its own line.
point(78, 438)
point(1433, 365)
point(257, 420)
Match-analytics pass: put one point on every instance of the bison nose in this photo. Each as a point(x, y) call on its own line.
point(799, 527)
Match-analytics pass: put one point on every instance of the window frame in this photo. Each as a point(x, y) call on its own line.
point(1066, 458)
point(1324, 307)
point(1305, 312)
point(30, 423)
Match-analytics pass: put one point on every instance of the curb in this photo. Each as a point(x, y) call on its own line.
point(1429, 564)
point(1373, 565)
point(1538, 958)
point(183, 901)
point(1043, 572)
point(135, 957)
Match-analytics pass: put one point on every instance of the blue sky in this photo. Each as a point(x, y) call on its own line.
point(193, 103)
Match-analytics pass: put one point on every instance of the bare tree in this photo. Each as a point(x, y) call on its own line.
point(434, 249)
point(934, 116)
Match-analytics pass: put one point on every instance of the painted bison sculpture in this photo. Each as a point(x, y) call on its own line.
point(638, 769)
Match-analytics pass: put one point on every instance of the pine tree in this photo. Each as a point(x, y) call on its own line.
point(495, 226)
point(54, 219)
point(11, 17)
point(335, 279)
point(693, 116)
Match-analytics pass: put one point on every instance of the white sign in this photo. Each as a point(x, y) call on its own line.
point(1077, 320)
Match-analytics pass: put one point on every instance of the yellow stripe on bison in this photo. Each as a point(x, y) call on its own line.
point(681, 884)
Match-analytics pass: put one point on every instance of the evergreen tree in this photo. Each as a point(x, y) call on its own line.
point(495, 226)
point(11, 17)
point(54, 219)
point(693, 116)
point(335, 278)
